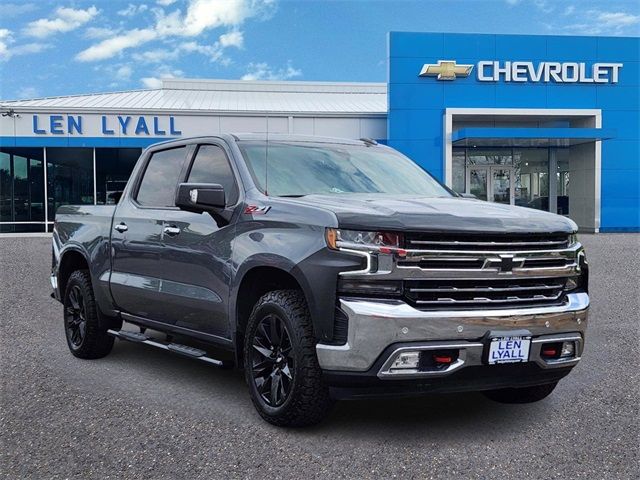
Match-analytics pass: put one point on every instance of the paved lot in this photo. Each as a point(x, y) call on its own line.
point(141, 413)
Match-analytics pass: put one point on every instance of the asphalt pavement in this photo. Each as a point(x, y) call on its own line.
point(142, 413)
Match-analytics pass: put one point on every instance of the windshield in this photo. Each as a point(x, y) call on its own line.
point(296, 169)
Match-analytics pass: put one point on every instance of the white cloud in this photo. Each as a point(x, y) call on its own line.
point(132, 10)
point(156, 56)
point(163, 72)
point(618, 19)
point(5, 40)
point(569, 10)
point(97, 33)
point(597, 22)
point(112, 46)
point(165, 3)
point(231, 39)
point(201, 15)
point(124, 73)
point(65, 20)
point(262, 71)
point(12, 10)
point(28, 92)
point(544, 6)
point(7, 50)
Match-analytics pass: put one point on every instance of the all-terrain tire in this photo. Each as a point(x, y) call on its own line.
point(93, 341)
point(308, 400)
point(521, 395)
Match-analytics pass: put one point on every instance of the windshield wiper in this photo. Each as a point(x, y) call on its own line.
point(292, 196)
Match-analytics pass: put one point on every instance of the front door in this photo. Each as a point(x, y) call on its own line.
point(493, 183)
point(196, 251)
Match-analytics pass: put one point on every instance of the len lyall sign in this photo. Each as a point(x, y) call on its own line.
point(105, 125)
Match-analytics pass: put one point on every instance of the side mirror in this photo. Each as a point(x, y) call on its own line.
point(468, 195)
point(200, 197)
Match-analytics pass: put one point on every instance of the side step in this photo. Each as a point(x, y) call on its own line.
point(183, 350)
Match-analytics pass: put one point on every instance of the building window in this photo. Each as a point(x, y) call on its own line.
point(113, 168)
point(532, 177)
point(69, 178)
point(21, 190)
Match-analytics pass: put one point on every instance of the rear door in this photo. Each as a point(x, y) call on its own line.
point(137, 274)
point(197, 248)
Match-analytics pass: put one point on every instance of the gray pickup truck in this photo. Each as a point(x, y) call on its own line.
point(326, 269)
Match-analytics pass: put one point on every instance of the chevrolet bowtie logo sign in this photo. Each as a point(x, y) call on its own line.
point(445, 70)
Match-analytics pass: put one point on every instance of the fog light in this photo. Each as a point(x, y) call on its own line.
point(568, 350)
point(406, 361)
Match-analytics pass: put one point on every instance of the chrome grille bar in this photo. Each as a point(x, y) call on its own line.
point(484, 289)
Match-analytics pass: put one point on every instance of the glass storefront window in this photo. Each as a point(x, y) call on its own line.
point(562, 178)
point(113, 168)
point(21, 189)
point(458, 169)
point(69, 177)
point(496, 156)
point(532, 177)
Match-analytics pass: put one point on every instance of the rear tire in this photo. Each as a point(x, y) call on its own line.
point(281, 366)
point(521, 395)
point(87, 336)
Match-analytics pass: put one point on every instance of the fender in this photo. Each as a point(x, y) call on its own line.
point(317, 275)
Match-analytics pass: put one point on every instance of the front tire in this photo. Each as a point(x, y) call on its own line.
point(87, 337)
point(281, 366)
point(521, 395)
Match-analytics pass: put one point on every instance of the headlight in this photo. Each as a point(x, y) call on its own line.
point(362, 240)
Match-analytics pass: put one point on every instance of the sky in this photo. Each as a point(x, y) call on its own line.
point(52, 48)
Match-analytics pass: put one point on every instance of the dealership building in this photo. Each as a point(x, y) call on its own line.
point(546, 122)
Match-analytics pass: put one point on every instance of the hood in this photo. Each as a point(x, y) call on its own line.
point(416, 213)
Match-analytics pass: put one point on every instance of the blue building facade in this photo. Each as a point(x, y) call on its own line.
point(549, 122)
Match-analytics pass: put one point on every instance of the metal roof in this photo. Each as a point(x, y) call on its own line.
point(225, 96)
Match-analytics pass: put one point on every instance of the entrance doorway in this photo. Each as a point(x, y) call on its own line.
point(494, 183)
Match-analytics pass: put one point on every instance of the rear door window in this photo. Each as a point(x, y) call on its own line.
point(158, 185)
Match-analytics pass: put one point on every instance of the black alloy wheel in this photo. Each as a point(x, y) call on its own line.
point(280, 362)
point(85, 327)
point(75, 317)
point(273, 364)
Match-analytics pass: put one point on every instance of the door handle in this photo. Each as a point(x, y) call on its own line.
point(171, 230)
point(121, 227)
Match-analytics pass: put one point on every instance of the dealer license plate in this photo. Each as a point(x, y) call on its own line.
point(509, 350)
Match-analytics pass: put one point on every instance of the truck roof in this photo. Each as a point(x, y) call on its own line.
point(275, 137)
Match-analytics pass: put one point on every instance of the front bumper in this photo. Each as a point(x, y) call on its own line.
point(374, 327)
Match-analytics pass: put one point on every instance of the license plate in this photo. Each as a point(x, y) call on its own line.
point(509, 350)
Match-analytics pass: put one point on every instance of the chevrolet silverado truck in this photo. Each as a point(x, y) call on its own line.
point(325, 269)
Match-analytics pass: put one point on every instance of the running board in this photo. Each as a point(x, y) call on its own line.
point(183, 350)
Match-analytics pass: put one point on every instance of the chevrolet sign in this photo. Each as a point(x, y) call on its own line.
point(567, 72)
point(521, 71)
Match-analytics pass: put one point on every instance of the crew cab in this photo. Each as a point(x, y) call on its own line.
point(325, 269)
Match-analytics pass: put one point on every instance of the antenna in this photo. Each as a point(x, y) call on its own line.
point(266, 161)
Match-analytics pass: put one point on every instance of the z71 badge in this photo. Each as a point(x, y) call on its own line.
point(256, 210)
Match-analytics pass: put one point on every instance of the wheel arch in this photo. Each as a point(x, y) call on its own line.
point(71, 259)
point(255, 281)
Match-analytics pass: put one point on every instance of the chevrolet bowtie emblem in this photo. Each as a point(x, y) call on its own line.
point(445, 70)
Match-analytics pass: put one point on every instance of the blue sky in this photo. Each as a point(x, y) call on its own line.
point(50, 48)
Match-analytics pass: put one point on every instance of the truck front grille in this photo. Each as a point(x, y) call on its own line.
point(473, 294)
point(486, 242)
point(459, 271)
